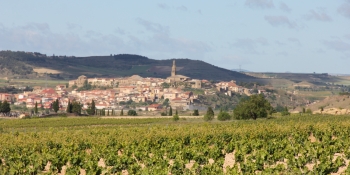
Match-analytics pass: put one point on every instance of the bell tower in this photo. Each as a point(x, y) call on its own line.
point(173, 69)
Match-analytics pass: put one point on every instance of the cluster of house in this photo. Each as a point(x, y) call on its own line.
point(136, 80)
point(122, 90)
point(104, 99)
point(134, 88)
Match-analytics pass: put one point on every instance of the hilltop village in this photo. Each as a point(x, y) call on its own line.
point(151, 94)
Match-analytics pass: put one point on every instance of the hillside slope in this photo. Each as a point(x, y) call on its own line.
point(336, 104)
point(111, 66)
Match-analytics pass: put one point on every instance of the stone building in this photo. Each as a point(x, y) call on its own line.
point(78, 82)
point(176, 78)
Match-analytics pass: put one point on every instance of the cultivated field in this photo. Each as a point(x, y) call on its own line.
point(45, 70)
point(284, 145)
point(36, 82)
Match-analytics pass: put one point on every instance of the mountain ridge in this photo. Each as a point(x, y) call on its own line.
point(110, 66)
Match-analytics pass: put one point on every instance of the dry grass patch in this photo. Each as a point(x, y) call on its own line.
point(45, 70)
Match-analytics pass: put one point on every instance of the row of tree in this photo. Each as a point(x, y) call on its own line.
point(166, 112)
point(103, 112)
point(74, 107)
point(256, 106)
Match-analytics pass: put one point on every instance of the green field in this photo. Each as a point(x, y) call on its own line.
point(36, 82)
point(344, 80)
point(284, 145)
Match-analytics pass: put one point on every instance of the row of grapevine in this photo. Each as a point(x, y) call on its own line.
point(295, 145)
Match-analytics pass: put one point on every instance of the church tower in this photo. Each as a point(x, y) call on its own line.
point(173, 69)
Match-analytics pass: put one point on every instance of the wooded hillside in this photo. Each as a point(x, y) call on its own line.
point(22, 63)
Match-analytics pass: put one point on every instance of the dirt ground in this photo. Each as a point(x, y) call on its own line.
point(44, 70)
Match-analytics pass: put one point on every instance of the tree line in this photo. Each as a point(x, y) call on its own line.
point(253, 107)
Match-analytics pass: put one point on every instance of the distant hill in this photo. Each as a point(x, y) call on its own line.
point(240, 70)
point(315, 78)
point(27, 64)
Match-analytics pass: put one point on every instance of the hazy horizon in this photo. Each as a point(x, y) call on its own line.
point(259, 35)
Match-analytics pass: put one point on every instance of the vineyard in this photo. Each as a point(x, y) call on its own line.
point(290, 145)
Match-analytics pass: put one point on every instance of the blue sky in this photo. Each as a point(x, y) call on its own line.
point(259, 35)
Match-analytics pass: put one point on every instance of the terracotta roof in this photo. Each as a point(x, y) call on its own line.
point(154, 105)
point(177, 99)
point(48, 91)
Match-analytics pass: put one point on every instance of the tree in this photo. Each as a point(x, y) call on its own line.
point(195, 112)
point(170, 111)
point(309, 111)
point(103, 112)
point(121, 112)
point(5, 107)
point(279, 108)
point(69, 109)
point(209, 115)
point(166, 102)
point(76, 108)
point(321, 109)
point(93, 107)
point(285, 112)
point(56, 105)
point(223, 115)
point(108, 112)
point(176, 117)
point(91, 110)
point(254, 107)
point(36, 108)
point(132, 113)
point(165, 85)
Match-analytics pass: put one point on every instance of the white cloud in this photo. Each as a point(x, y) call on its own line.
point(163, 6)
point(119, 31)
point(153, 27)
point(295, 41)
point(234, 60)
point(39, 38)
point(262, 41)
point(72, 26)
point(338, 45)
point(182, 8)
point(279, 43)
point(250, 45)
point(344, 10)
point(167, 7)
point(259, 3)
point(347, 36)
point(280, 21)
point(283, 53)
point(320, 16)
point(285, 7)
